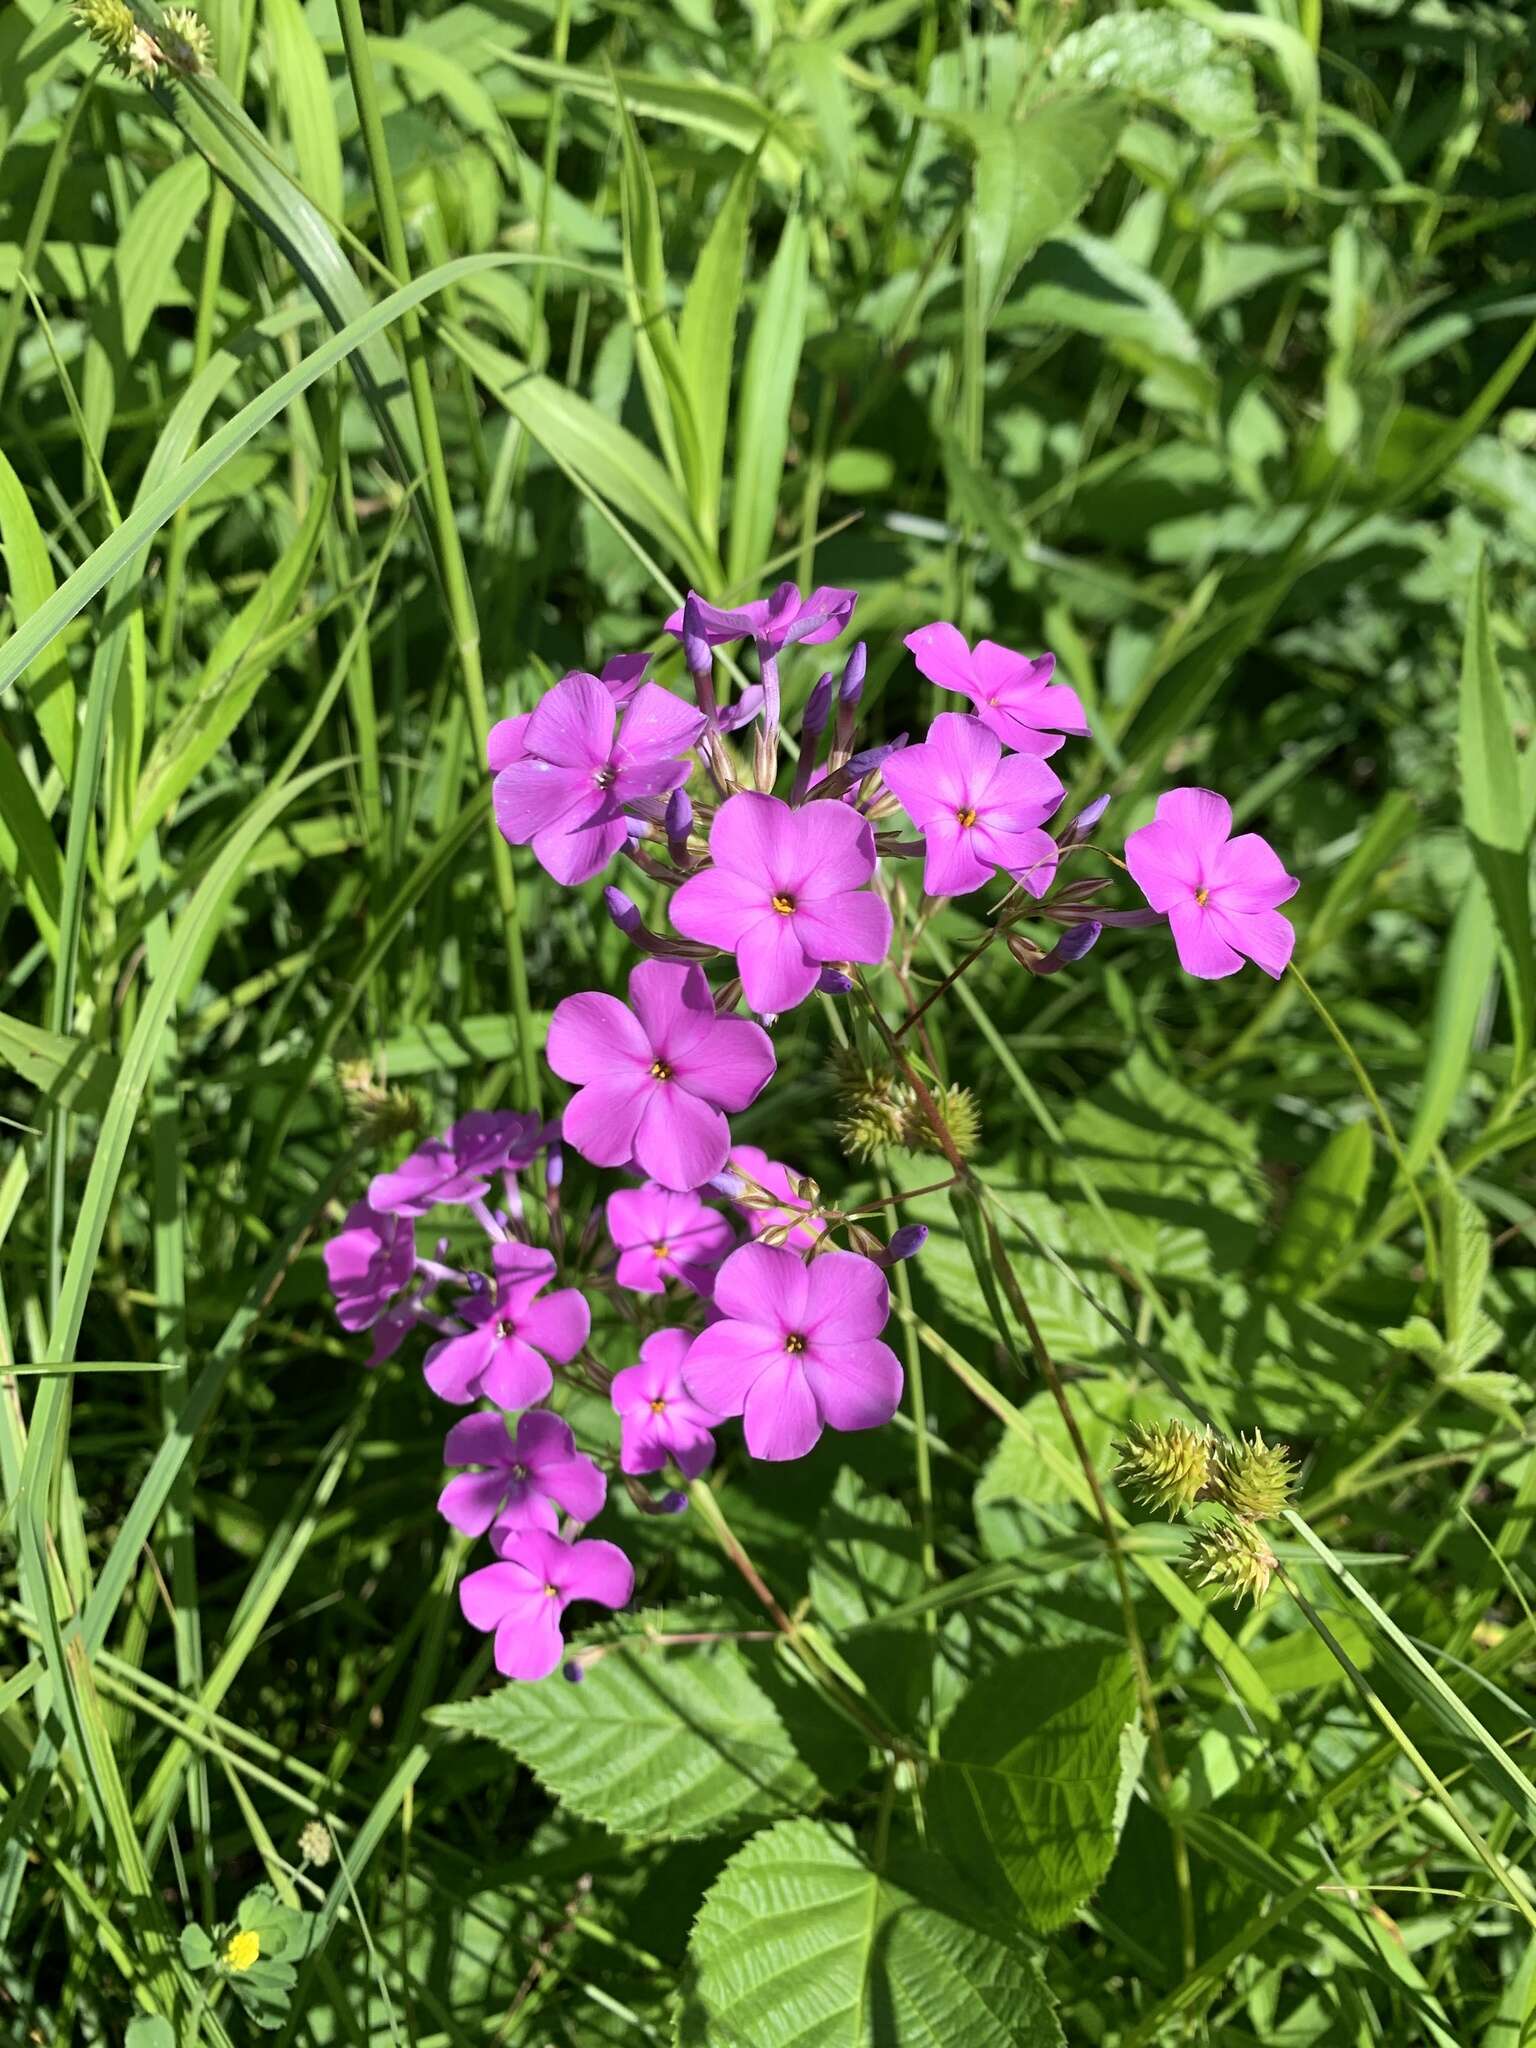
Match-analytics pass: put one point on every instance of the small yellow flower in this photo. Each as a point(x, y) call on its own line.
point(241, 1950)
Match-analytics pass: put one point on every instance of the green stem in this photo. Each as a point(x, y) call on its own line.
point(450, 551)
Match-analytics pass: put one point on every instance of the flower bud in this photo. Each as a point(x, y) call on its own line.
point(679, 820)
point(1080, 827)
point(851, 688)
point(624, 911)
point(554, 1168)
point(818, 707)
point(1071, 947)
point(696, 650)
point(1166, 1466)
point(315, 1843)
point(905, 1243)
point(833, 982)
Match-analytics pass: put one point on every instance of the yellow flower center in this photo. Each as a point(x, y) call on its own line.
point(661, 1251)
point(551, 1592)
point(1202, 896)
point(660, 1071)
point(794, 1342)
point(242, 1949)
point(784, 905)
point(967, 817)
point(658, 1407)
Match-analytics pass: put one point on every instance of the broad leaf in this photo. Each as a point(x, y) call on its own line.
point(1034, 177)
point(1162, 57)
point(1324, 1212)
point(802, 1944)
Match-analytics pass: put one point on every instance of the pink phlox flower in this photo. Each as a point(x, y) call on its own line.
point(799, 1350)
point(368, 1262)
point(523, 1482)
point(751, 1163)
point(658, 1418)
point(1013, 695)
point(653, 1077)
point(523, 1596)
point(567, 792)
point(460, 1165)
point(515, 1329)
point(775, 621)
point(1221, 894)
point(786, 893)
point(978, 809)
point(664, 1235)
point(621, 678)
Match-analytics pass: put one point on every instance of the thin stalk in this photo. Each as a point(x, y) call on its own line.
point(450, 551)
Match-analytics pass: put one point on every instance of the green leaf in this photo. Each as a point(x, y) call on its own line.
point(62, 1069)
point(762, 408)
point(29, 573)
point(1495, 811)
point(1172, 62)
point(303, 91)
point(1034, 177)
point(149, 2030)
point(197, 1949)
point(1324, 1212)
point(662, 1742)
point(144, 262)
point(866, 1555)
point(1084, 283)
point(1466, 965)
point(800, 1943)
point(707, 338)
point(1036, 1768)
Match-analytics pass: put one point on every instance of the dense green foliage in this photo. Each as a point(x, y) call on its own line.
point(1190, 342)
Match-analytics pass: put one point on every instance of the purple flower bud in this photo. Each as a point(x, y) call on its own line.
point(905, 1243)
point(695, 646)
point(728, 1184)
point(1077, 940)
point(573, 1671)
point(624, 912)
point(673, 1503)
point(851, 688)
point(832, 982)
point(554, 1168)
point(817, 708)
point(679, 816)
point(1084, 822)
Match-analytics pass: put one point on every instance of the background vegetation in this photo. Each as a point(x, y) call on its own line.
point(1189, 342)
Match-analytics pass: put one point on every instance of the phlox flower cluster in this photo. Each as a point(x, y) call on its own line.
point(736, 1289)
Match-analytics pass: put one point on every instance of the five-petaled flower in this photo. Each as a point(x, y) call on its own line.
point(459, 1166)
point(977, 808)
point(523, 1596)
point(658, 1418)
point(653, 1077)
point(664, 1235)
point(369, 1260)
point(566, 776)
point(1221, 895)
point(515, 1330)
point(786, 893)
point(798, 1350)
point(523, 1482)
point(774, 621)
point(1014, 696)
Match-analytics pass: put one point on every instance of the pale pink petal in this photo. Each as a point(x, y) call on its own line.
point(942, 655)
point(469, 1503)
point(763, 1283)
point(600, 1121)
point(1248, 875)
point(752, 834)
point(680, 1140)
point(492, 1591)
point(831, 849)
point(595, 1570)
point(1202, 950)
point(1022, 792)
point(505, 742)
point(854, 926)
point(1201, 818)
point(780, 1417)
point(638, 1215)
point(530, 797)
point(516, 1375)
point(775, 972)
point(557, 1324)
point(732, 1065)
point(478, 1440)
point(657, 725)
point(1164, 868)
point(1018, 732)
point(924, 781)
point(530, 1646)
point(716, 907)
point(847, 1298)
point(858, 1386)
point(573, 856)
point(1265, 936)
point(591, 1034)
point(951, 864)
point(453, 1368)
point(1030, 857)
point(573, 724)
point(674, 1005)
point(725, 1362)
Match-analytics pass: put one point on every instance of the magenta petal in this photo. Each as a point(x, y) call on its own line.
point(536, 796)
point(1163, 867)
point(544, 1438)
point(847, 1298)
point(767, 1284)
point(589, 1034)
point(829, 849)
point(1202, 950)
point(951, 866)
point(780, 1418)
point(601, 1121)
point(505, 743)
point(1201, 819)
point(1017, 730)
point(691, 1446)
point(943, 656)
point(469, 1503)
point(530, 1646)
point(557, 1324)
point(526, 1508)
point(577, 1485)
point(572, 724)
point(717, 906)
point(1030, 857)
point(453, 1369)
point(575, 855)
point(754, 835)
point(776, 973)
point(656, 724)
point(731, 1067)
point(726, 1361)
point(674, 1006)
point(641, 1271)
point(1267, 938)
point(1022, 792)
point(923, 782)
point(1249, 876)
point(858, 1386)
point(516, 1375)
point(487, 1594)
point(854, 926)
point(478, 1440)
point(595, 1570)
point(680, 1140)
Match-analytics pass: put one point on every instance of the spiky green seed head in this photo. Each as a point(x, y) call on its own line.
point(1166, 1466)
point(379, 1114)
point(186, 41)
point(870, 1124)
point(1234, 1557)
point(1252, 1478)
point(110, 24)
point(962, 1119)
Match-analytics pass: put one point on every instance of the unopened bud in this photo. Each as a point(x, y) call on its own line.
point(1071, 947)
point(818, 708)
point(315, 1843)
point(905, 1243)
point(624, 911)
point(679, 822)
point(1084, 822)
point(696, 649)
point(554, 1168)
point(833, 982)
point(851, 688)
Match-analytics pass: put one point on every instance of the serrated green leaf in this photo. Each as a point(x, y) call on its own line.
point(1034, 177)
point(866, 1555)
point(801, 1944)
point(1324, 1211)
point(1034, 1774)
point(662, 1742)
point(1160, 57)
